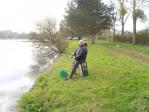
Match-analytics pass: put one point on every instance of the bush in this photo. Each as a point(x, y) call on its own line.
point(61, 43)
point(47, 33)
point(36, 101)
point(143, 37)
point(126, 38)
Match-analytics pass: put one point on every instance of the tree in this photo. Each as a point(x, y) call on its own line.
point(87, 17)
point(65, 29)
point(8, 34)
point(114, 17)
point(124, 10)
point(47, 33)
point(137, 14)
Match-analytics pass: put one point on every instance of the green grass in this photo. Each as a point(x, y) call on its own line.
point(117, 82)
point(140, 48)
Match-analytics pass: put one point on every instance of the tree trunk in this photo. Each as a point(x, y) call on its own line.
point(134, 22)
point(134, 30)
point(122, 33)
point(93, 39)
point(114, 32)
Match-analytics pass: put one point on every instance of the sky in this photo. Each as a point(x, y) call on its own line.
point(22, 15)
point(129, 22)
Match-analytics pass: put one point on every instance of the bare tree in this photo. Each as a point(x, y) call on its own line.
point(47, 32)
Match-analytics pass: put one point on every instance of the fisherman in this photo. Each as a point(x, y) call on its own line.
point(80, 55)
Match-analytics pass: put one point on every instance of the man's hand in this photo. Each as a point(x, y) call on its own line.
point(72, 55)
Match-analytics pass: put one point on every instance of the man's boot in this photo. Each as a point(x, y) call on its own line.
point(71, 74)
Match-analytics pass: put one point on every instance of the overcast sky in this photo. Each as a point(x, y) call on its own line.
point(21, 15)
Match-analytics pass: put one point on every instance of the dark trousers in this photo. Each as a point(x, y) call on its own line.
point(74, 68)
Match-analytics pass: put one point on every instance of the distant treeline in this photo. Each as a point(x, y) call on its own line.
point(7, 34)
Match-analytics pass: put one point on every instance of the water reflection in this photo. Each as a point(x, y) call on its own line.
point(19, 64)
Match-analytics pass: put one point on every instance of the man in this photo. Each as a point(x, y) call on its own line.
point(80, 55)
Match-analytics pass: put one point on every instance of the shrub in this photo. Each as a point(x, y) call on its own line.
point(143, 37)
point(126, 38)
point(47, 33)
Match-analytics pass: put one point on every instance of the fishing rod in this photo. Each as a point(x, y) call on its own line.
point(68, 53)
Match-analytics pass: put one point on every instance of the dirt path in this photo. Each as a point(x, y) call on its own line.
point(140, 56)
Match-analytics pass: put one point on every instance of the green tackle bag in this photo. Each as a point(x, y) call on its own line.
point(63, 73)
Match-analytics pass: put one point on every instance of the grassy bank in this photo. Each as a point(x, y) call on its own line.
point(118, 82)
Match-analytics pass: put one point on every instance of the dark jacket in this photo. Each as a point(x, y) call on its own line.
point(81, 53)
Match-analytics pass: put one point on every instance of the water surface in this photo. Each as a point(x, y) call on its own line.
point(19, 63)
